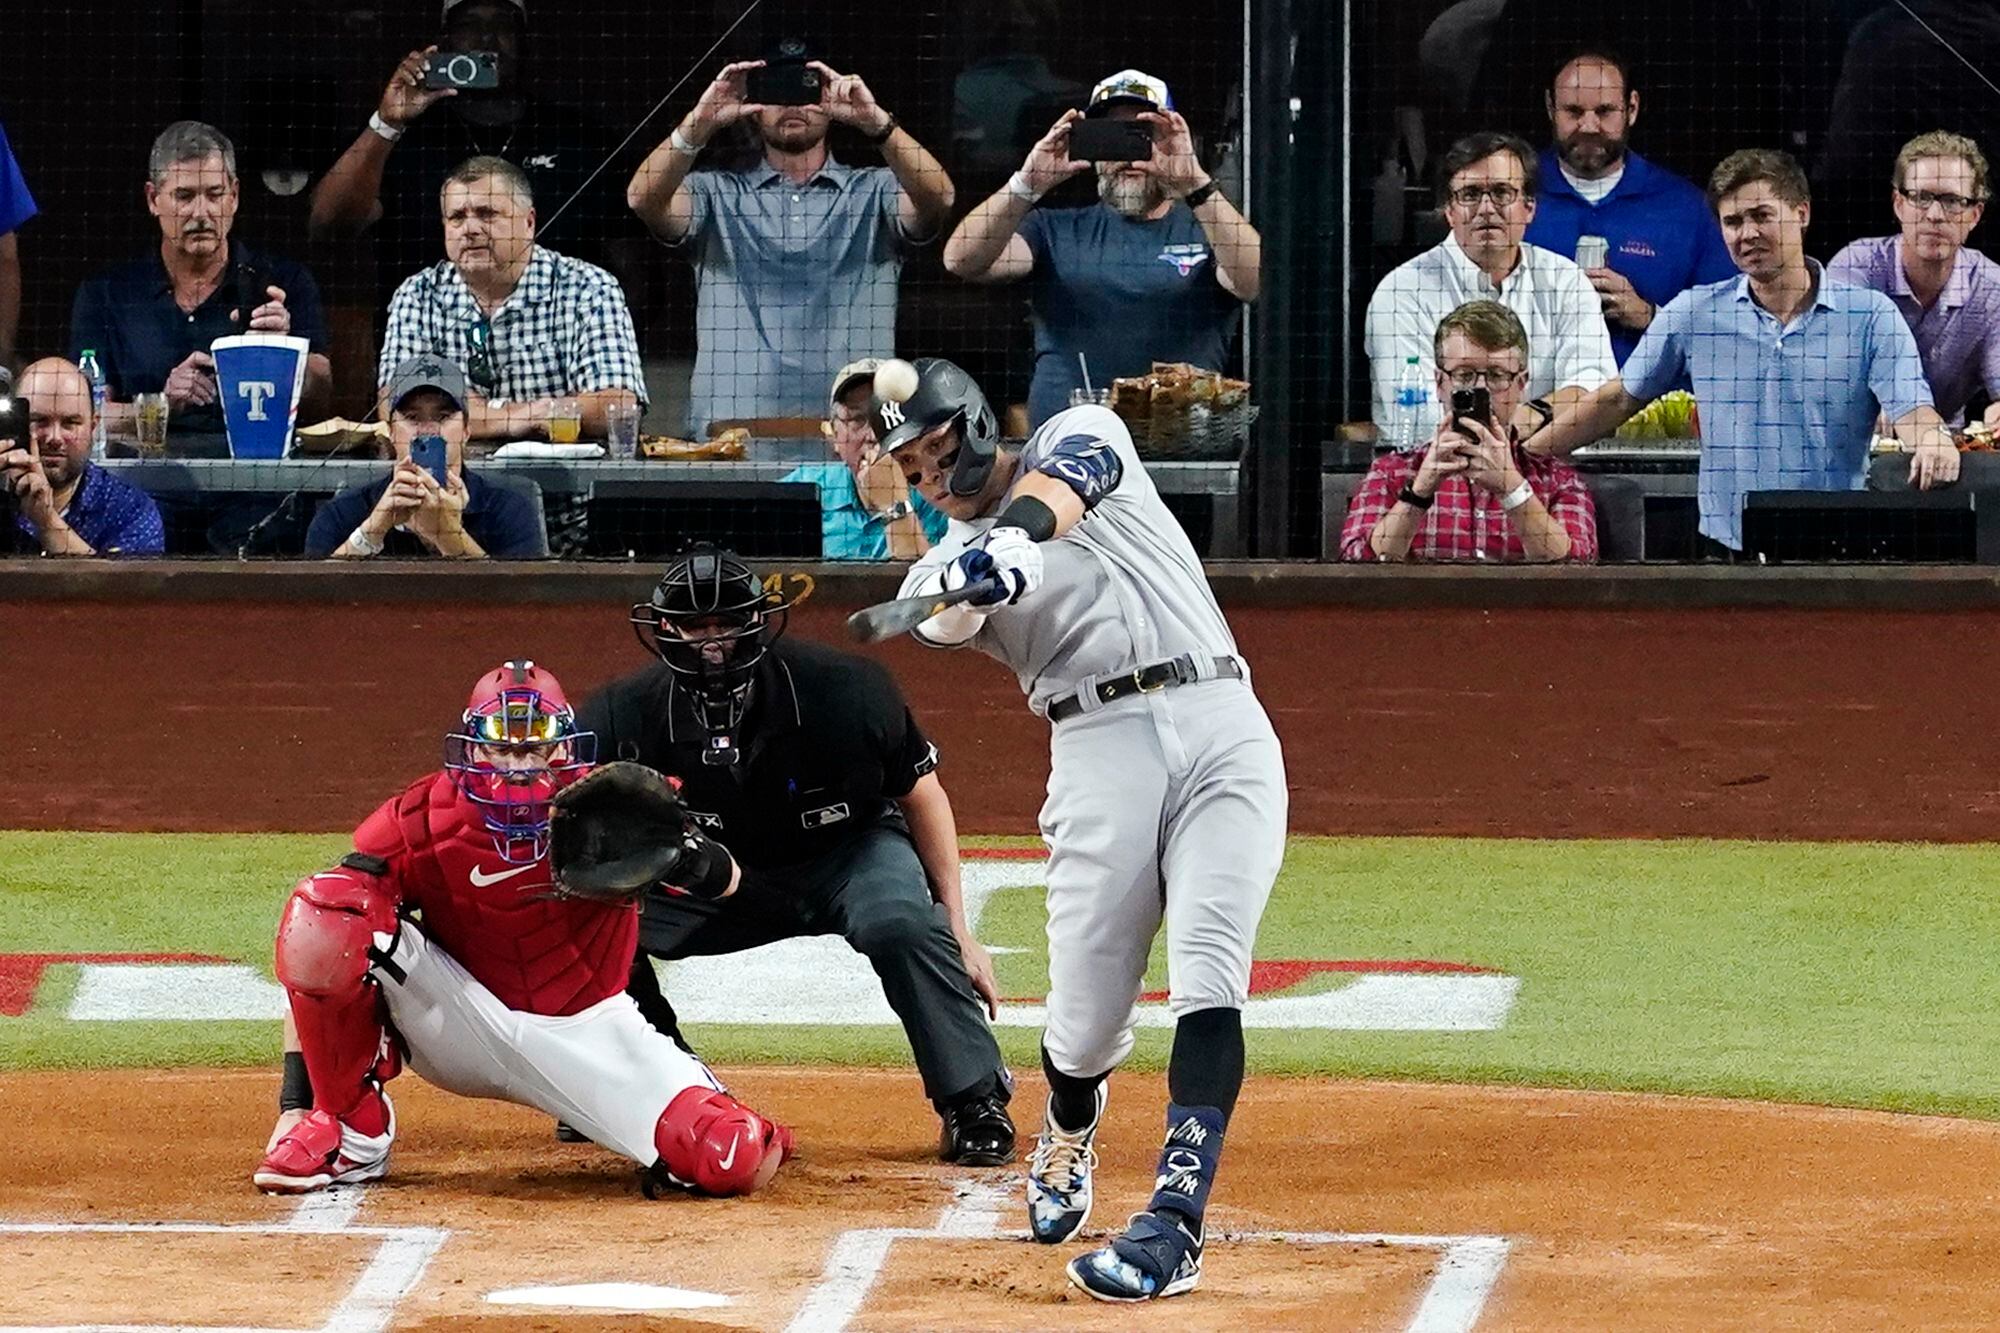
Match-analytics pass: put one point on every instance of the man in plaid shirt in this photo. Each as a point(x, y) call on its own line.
point(529, 325)
point(1473, 493)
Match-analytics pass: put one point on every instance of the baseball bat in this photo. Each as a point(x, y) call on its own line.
point(885, 620)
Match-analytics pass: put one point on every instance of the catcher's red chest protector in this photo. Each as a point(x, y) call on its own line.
point(536, 953)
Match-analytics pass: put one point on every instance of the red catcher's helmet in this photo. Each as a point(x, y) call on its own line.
point(516, 746)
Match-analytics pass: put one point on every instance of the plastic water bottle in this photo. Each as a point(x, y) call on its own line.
point(1406, 424)
point(98, 392)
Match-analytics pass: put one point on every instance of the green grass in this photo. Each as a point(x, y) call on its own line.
point(1854, 974)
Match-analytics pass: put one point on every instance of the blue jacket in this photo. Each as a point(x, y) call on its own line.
point(1663, 236)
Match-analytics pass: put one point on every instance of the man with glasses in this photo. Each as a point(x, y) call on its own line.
point(867, 509)
point(1489, 200)
point(529, 326)
point(1472, 492)
point(1948, 292)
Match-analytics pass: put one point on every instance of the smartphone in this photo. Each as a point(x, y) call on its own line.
point(461, 69)
point(428, 453)
point(1110, 141)
point(1592, 251)
point(782, 83)
point(1474, 403)
point(251, 292)
point(14, 432)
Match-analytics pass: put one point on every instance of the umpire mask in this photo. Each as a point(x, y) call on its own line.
point(711, 621)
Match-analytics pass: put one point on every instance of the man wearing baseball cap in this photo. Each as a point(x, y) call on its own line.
point(867, 510)
point(1157, 270)
point(413, 512)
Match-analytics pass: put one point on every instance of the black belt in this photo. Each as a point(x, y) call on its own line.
point(1146, 680)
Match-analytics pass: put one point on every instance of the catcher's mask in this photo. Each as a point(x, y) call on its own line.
point(516, 746)
point(711, 621)
point(945, 395)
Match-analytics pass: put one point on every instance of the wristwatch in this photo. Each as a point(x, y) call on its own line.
point(1542, 405)
point(362, 544)
point(1409, 496)
point(383, 127)
point(882, 137)
point(900, 509)
point(1197, 197)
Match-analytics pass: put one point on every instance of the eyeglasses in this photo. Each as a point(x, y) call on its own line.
point(1954, 205)
point(1494, 378)
point(1503, 196)
point(479, 357)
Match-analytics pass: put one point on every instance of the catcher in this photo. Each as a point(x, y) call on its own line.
point(482, 931)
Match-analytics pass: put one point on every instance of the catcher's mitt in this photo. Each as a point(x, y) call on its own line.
point(616, 832)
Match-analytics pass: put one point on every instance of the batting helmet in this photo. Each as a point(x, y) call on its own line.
point(945, 394)
point(517, 744)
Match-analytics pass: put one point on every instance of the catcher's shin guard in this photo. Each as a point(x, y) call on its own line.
point(710, 1142)
point(323, 957)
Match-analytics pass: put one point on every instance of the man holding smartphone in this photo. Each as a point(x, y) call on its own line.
point(1473, 493)
point(428, 504)
point(798, 257)
point(1157, 270)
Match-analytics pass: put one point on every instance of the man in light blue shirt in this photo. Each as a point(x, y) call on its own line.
point(798, 257)
point(1790, 368)
point(867, 509)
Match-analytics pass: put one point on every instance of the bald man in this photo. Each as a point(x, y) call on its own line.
point(63, 505)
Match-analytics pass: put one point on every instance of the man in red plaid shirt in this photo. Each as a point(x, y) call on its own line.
point(1473, 493)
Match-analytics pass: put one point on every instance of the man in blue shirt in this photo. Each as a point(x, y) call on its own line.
point(867, 510)
point(411, 512)
point(798, 257)
point(1157, 270)
point(151, 321)
point(63, 505)
point(16, 207)
point(1661, 238)
point(1790, 367)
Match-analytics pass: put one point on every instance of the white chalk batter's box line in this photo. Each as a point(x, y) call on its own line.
point(1452, 1302)
point(398, 1263)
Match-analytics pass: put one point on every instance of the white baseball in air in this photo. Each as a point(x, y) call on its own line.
point(895, 381)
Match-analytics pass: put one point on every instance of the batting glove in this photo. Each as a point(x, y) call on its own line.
point(1010, 558)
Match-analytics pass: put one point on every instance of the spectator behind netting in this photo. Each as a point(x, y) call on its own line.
point(797, 258)
point(1790, 366)
point(16, 207)
point(1661, 237)
point(1472, 492)
point(867, 509)
point(151, 321)
point(1489, 188)
point(1948, 292)
point(1156, 270)
point(62, 503)
point(528, 325)
point(388, 179)
point(412, 512)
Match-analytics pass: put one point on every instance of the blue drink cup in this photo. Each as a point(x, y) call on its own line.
point(260, 377)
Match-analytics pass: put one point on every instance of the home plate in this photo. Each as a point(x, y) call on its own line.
point(610, 1296)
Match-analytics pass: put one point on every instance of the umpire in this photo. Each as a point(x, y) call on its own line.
point(806, 763)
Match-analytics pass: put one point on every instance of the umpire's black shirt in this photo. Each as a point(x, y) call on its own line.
point(827, 747)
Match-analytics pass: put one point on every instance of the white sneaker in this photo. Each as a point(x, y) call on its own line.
point(1059, 1176)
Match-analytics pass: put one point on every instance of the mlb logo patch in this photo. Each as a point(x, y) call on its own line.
point(1185, 258)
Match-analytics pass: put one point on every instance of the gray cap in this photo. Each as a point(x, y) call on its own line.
point(450, 5)
point(427, 371)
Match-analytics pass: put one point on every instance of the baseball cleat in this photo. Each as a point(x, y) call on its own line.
point(1059, 1176)
point(1157, 1257)
point(978, 1133)
point(320, 1151)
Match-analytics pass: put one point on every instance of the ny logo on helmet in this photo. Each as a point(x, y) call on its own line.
point(892, 413)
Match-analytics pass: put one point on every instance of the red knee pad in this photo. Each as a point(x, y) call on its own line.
point(711, 1141)
point(329, 923)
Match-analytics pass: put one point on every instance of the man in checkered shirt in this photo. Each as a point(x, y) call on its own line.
point(529, 325)
point(1472, 492)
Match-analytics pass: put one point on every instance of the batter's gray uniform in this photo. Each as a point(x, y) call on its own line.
point(1173, 800)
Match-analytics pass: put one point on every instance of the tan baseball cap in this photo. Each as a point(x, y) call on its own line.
point(865, 368)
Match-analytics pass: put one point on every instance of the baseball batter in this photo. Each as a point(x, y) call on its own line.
point(447, 920)
point(1166, 792)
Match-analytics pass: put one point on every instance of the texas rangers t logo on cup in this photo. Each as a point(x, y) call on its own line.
point(261, 376)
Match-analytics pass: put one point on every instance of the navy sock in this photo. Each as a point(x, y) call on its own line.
point(1073, 1100)
point(1187, 1162)
point(1206, 1068)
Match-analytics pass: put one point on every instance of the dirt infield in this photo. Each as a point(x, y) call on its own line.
point(1770, 724)
point(1595, 1210)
